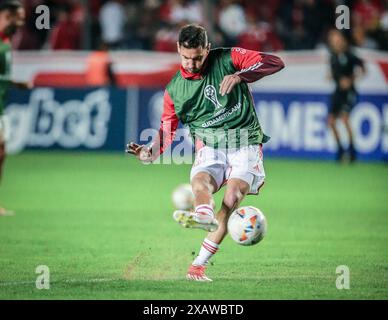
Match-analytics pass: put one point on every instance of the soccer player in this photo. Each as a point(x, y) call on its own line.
point(210, 95)
point(12, 16)
point(345, 67)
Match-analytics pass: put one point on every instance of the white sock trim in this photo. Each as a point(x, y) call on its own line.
point(211, 244)
point(208, 249)
point(205, 208)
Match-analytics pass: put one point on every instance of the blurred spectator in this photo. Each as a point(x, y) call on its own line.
point(260, 33)
point(266, 11)
point(268, 25)
point(165, 39)
point(367, 30)
point(303, 23)
point(318, 18)
point(185, 11)
point(112, 21)
point(173, 15)
point(231, 20)
point(146, 25)
point(259, 36)
point(382, 35)
point(66, 35)
point(367, 14)
point(361, 38)
point(299, 39)
point(181, 11)
point(27, 38)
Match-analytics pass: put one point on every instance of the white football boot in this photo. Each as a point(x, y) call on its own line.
point(188, 219)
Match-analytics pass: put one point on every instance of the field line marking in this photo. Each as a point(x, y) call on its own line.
point(97, 280)
point(15, 283)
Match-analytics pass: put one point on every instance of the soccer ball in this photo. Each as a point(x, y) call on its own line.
point(247, 225)
point(183, 197)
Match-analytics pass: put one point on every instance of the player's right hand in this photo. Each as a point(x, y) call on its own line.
point(142, 152)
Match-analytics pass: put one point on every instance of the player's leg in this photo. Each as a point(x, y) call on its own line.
point(246, 175)
point(203, 186)
point(207, 175)
point(335, 107)
point(2, 156)
point(235, 191)
point(3, 211)
point(350, 101)
point(345, 120)
point(4, 132)
point(331, 121)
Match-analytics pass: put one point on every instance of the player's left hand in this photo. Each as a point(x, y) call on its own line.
point(228, 83)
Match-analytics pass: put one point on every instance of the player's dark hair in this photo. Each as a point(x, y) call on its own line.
point(343, 34)
point(193, 36)
point(10, 5)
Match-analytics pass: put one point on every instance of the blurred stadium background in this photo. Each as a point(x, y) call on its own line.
point(101, 221)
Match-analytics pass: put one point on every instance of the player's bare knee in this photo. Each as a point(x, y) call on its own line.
point(233, 198)
point(201, 187)
point(201, 183)
point(235, 194)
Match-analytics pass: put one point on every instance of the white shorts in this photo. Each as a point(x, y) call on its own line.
point(4, 129)
point(245, 163)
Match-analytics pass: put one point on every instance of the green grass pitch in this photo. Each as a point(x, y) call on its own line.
point(102, 224)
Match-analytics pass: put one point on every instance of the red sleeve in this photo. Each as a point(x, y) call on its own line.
point(168, 126)
point(254, 65)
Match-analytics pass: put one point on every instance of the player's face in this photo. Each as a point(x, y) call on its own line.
point(193, 59)
point(15, 20)
point(337, 41)
point(20, 17)
point(5, 21)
